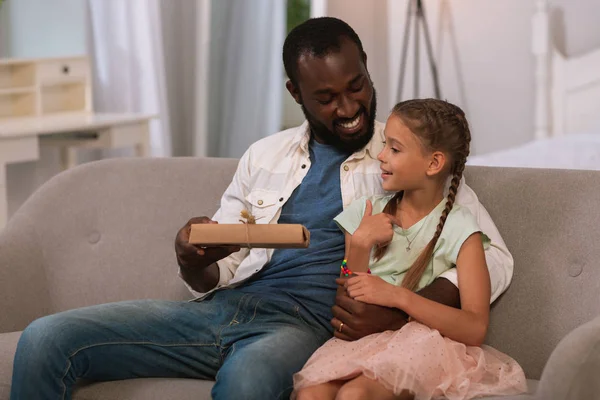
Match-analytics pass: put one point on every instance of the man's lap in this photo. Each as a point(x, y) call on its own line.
point(183, 339)
point(261, 366)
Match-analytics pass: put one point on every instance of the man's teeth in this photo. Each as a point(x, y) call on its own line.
point(352, 124)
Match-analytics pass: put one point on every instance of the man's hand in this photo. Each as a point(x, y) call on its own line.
point(192, 256)
point(362, 319)
point(198, 264)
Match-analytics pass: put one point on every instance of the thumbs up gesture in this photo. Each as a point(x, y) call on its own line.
point(375, 230)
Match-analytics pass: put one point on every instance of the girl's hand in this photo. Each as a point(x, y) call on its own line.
point(372, 289)
point(375, 229)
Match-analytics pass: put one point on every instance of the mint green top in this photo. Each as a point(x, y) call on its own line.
point(392, 267)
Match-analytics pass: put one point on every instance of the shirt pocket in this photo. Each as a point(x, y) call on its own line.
point(263, 205)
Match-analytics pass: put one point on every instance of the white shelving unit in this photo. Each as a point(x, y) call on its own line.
point(39, 87)
point(49, 101)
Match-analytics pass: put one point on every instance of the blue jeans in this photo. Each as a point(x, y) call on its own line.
point(250, 345)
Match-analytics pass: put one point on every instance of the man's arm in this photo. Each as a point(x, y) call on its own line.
point(499, 260)
point(203, 269)
point(201, 280)
point(361, 319)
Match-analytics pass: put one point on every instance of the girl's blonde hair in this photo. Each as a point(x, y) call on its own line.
point(440, 126)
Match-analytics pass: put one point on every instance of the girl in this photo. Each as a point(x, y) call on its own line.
point(408, 239)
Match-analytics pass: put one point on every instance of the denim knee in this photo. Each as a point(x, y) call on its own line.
point(264, 368)
point(44, 336)
point(259, 382)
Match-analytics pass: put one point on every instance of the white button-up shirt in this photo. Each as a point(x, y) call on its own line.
point(273, 167)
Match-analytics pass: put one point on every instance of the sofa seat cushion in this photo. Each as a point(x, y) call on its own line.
point(133, 389)
point(8, 346)
point(532, 385)
point(142, 389)
point(145, 389)
point(183, 389)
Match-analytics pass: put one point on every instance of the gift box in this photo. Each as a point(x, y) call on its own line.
point(272, 236)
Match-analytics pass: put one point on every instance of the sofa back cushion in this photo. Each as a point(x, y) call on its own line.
point(104, 232)
point(106, 229)
point(550, 222)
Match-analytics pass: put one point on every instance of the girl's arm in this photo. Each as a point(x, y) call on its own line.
point(357, 253)
point(468, 324)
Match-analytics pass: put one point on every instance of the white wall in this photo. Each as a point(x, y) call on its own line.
point(43, 28)
point(39, 28)
point(576, 25)
point(483, 48)
point(483, 51)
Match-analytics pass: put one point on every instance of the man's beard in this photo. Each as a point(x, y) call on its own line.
point(349, 144)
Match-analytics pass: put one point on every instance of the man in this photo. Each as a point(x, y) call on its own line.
point(276, 310)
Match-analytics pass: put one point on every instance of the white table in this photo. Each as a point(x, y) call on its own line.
point(20, 139)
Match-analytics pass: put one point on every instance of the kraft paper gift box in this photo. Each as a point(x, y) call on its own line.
point(273, 236)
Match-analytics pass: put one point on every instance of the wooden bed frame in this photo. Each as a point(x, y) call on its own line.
point(567, 90)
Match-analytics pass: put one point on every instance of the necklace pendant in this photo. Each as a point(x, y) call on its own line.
point(408, 248)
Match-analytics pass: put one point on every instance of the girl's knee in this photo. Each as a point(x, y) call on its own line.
point(355, 393)
point(363, 388)
point(325, 391)
point(308, 393)
point(352, 392)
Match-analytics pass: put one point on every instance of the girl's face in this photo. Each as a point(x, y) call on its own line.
point(404, 160)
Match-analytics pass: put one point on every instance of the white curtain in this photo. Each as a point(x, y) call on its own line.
point(126, 45)
point(211, 69)
point(186, 30)
point(246, 73)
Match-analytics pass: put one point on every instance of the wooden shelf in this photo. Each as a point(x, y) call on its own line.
point(63, 81)
point(16, 91)
point(67, 97)
point(15, 75)
point(47, 86)
point(18, 105)
point(48, 101)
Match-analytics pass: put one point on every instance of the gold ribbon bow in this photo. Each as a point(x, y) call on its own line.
point(249, 219)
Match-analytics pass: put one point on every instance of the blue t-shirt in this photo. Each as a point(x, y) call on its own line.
point(306, 277)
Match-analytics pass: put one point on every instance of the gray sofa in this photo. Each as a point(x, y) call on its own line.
point(104, 232)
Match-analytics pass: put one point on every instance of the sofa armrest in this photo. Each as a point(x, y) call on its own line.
point(572, 369)
point(23, 290)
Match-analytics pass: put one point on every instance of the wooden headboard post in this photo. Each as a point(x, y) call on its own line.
point(541, 48)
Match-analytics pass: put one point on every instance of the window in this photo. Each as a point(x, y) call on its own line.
point(298, 11)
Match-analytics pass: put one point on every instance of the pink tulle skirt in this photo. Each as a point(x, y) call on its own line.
point(419, 359)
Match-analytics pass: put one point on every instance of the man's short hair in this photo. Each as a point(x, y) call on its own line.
point(316, 37)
